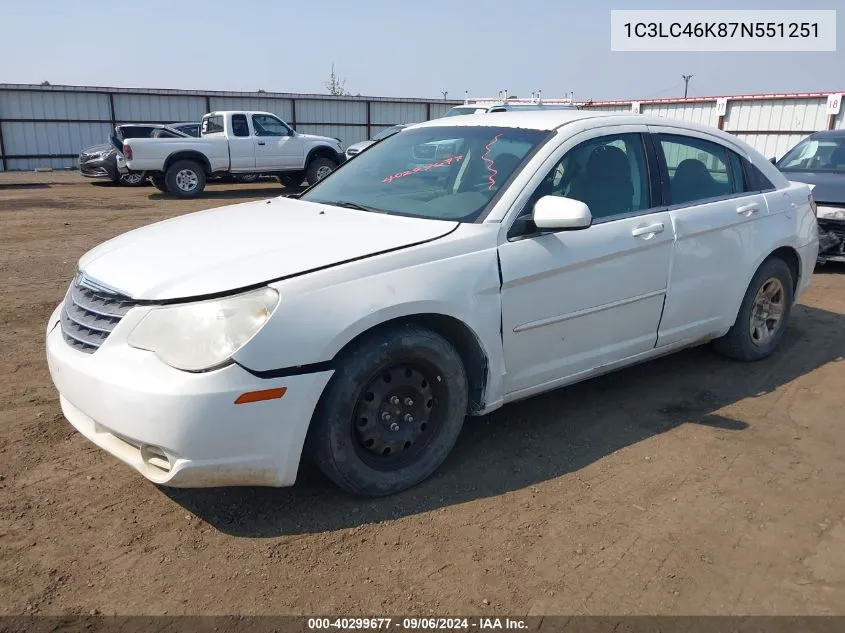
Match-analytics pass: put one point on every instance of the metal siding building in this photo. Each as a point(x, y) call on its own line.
point(47, 126)
point(770, 123)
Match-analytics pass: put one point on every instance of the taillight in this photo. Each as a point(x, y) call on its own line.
point(127, 154)
point(813, 206)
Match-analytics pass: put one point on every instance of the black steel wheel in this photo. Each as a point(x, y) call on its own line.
point(391, 413)
point(397, 414)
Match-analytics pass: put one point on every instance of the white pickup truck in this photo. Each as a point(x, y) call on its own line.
point(233, 142)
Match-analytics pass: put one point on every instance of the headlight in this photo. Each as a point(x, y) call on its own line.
point(205, 334)
point(105, 154)
point(830, 213)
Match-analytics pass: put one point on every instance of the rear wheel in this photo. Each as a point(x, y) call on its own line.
point(185, 179)
point(159, 182)
point(391, 413)
point(319, 168)
point(133, 179)
point(763, 314)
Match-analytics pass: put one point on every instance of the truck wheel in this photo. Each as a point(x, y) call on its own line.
point(159, 182)
point(293, 179)
point(133, 179)
point(318, 169)
point(185, 179)
point(763, 315)
point(391, 413)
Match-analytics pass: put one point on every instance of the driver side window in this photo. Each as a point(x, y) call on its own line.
point(265, 125)
point(607, 173)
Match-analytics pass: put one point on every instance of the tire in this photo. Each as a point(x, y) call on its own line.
point(293, 179)
point(750, 341)
point(133, 179)
point(246, 178)
point(319, 168)
point(183, 173)
point(374, 437)
point(159, 182)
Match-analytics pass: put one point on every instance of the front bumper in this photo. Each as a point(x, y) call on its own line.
point(182, 429)
point(101, 169)
point(831, 240)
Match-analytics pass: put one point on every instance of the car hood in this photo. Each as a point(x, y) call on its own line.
point(95, 149)
point(828, 187)
point(232, 247)
point(315, 137)
point(360, 145)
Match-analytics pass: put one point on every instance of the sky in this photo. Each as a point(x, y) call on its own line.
point(397, 48)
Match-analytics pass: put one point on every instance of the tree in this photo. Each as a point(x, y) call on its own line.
point(45, 83)
point(335, 85)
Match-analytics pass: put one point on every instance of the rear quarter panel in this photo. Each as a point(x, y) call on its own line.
point(150, 154)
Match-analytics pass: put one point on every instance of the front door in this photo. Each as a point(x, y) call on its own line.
point(575, 301)
point(276, 145)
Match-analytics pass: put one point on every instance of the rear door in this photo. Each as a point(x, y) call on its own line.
point(241, 144)
point(276, 146)
point(715, 219)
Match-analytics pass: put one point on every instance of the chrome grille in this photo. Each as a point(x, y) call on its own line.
point(89, 316)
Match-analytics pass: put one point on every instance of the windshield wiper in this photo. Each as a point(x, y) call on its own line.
point(354, 205)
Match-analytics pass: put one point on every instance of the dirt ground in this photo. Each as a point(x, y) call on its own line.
point(689, 485)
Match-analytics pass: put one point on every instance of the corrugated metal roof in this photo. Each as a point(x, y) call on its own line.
point(219, 93)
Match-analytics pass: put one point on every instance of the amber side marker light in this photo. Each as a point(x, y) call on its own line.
point(813, 206)
point(258, 396)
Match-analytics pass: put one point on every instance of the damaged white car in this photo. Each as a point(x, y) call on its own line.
point(458, 265)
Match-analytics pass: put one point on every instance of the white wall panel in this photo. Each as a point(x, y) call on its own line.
point(28, 104)
point(280, 107)
point(393, 113)
point(330, 111)
point(132, 108)
point(52, 138)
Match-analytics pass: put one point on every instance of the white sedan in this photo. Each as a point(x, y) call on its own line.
point(458, 265)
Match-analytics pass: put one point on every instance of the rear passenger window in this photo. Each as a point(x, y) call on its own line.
point(756, 179)
point(239, 125)
point(698, 169)
point(212, 124)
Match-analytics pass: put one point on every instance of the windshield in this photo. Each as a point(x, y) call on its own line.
point(388, 132)
point(444, 173)
point(819, 154)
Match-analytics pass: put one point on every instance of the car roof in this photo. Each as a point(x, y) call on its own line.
point(555, 119)
point(829, 134)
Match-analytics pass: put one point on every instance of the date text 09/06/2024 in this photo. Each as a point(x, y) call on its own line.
point(416, 624)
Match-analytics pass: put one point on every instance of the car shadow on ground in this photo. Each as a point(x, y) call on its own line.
point(24, 185)
point(269, 190)
point(542, 438)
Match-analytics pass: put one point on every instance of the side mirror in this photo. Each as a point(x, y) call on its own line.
point(556, 212)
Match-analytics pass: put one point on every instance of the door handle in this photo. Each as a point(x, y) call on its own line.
point(261, 143)
point(648, 231)
point(748, 209)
